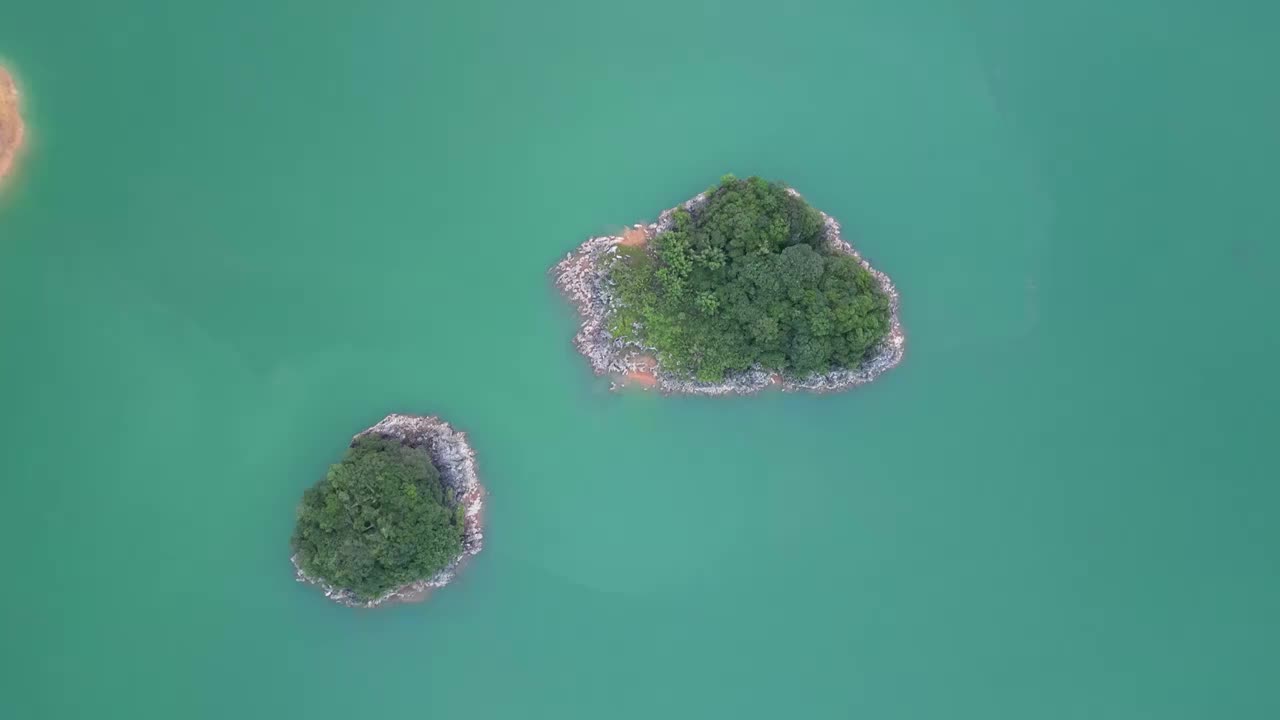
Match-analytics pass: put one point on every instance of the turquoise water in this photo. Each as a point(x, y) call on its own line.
point(243, 233)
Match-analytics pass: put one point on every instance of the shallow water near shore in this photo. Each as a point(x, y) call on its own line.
point(249, 231)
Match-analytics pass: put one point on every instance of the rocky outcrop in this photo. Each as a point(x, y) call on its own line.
point(11, 127)
point(453, 457)
point(584, 277)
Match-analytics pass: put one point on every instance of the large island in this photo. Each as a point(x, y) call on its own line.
point(743, 287)
point(11, 127)
point(395, 518)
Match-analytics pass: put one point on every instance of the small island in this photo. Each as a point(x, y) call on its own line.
point(741, 288)
point(395, 518)
point(11, 127)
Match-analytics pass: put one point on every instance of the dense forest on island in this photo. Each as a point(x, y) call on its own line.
point(748, 279)
point(381, 518)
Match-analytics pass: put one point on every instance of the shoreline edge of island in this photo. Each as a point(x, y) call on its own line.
point(455, 460)
point(583, 277)
point(12, 128)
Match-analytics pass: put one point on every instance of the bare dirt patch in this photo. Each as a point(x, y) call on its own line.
point(634, 237)
point(643, 371)
point(644, 378)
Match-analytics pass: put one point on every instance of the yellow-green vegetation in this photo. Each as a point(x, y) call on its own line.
point(748, 278)
point(380, 519)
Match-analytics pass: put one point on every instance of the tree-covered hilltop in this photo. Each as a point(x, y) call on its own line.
point(748, 278)
point(379, 519)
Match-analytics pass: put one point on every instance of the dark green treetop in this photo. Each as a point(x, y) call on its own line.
point(380, 519)
point(749, 278)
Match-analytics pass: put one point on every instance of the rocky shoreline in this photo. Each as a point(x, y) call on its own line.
point(583, 276)
point(453, 457)
point(12, 129)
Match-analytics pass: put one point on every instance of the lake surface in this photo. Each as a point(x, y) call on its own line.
point(245, 231)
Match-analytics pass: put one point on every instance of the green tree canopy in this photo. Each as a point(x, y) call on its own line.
point(747, 279)
point(381, 518)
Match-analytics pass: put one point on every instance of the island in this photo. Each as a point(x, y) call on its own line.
point(11, 127)
point(741, 288)
point(395, 518)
